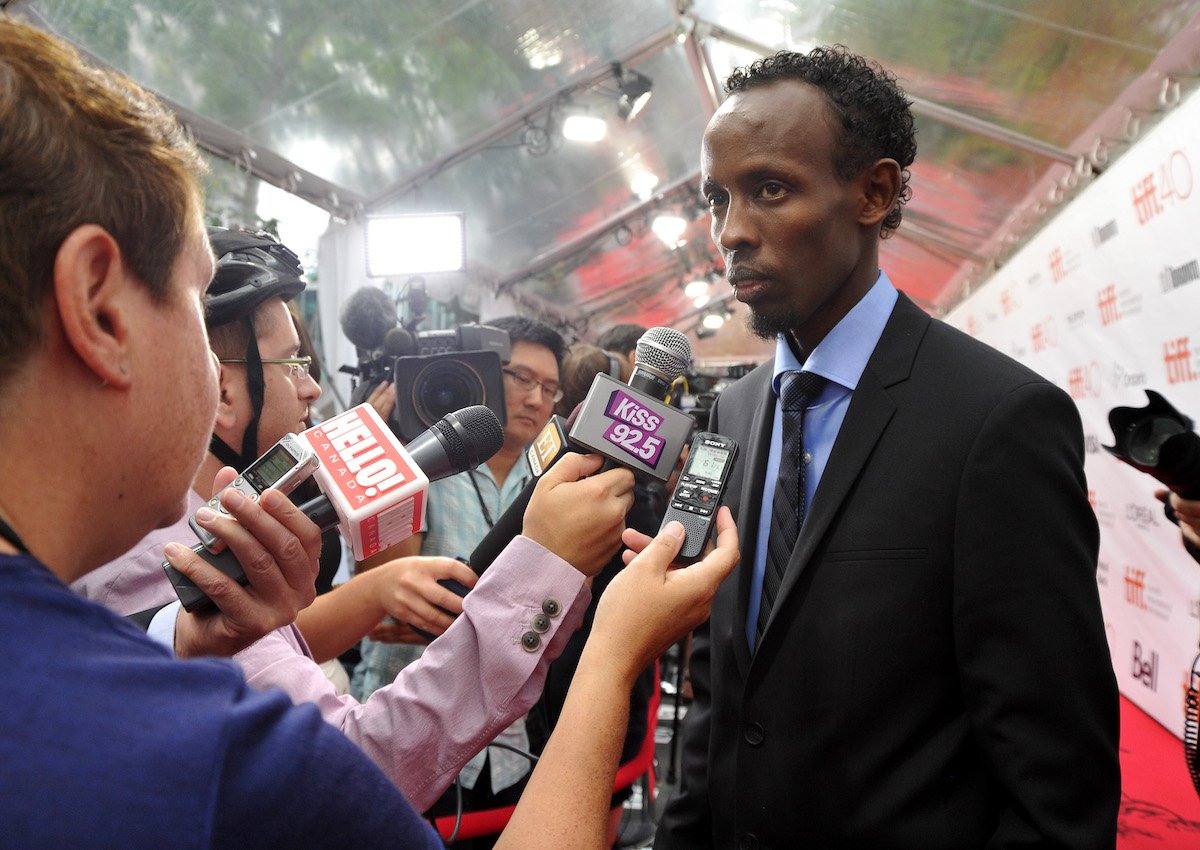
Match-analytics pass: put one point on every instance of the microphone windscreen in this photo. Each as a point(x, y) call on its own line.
point(664, 350)
point(459, 441)
point(367, 316)
point(399, 343)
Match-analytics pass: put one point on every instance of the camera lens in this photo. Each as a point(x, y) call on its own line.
point(445, 386)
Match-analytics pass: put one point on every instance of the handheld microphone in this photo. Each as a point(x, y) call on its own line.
point(632, 425)
point(629, 424)
point(372, 487)
point(367, 316)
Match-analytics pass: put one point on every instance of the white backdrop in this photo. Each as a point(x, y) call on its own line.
point(1105, 302)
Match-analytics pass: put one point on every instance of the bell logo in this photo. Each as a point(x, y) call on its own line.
point(1135, 587)
point(1145, 666)
point(1177, 356)
point(1106, 300)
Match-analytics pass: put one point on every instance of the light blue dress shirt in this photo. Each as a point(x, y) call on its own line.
point(841, 358)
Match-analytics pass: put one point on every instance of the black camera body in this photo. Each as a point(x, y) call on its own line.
point(450, 370)
point(1157, 439)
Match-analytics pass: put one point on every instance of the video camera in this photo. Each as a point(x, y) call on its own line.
point(450, 370)
point(1157, 439)
point(434, 372)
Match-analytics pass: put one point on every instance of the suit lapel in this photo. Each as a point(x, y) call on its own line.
point(871, 408)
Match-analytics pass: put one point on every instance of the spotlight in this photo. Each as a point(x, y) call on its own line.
point(669, 228)
point(584, 128)
point(415, 244)
point(634, 91)
point(700, 300)
point(713, 321)
point(696, 288)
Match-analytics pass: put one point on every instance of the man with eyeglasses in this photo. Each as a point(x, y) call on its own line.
point(461, 509)
point(264, 393)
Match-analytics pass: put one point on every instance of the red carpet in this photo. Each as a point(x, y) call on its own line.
point(1159, 808)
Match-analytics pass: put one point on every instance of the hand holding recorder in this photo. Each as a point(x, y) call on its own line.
point(278, 544)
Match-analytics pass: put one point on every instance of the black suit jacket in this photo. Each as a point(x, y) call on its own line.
point(935, 672)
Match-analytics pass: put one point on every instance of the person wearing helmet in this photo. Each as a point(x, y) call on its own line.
point(108, 740)
point(264, 393)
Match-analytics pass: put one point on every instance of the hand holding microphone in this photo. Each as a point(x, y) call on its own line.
point(628, 424)
point(373, 488)
point(578, 515)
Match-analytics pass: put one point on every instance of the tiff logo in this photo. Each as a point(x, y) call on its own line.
point(1177, 356)
point(1145, 199)
point(1008, 301)
point(1084, 381)
point(1173, 278)
point(1102, 234)
point(1135, 587)
point(1106, 300)
point(1145, 667)
point(1042, 335)
point(1058, 266)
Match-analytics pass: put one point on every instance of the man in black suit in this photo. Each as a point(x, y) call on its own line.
point(930, 669)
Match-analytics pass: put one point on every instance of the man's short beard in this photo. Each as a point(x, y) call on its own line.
point(768, 325)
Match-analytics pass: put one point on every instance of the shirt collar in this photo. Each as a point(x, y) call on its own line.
point(842, 355)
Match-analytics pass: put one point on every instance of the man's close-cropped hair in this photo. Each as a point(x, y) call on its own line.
point(81, 145)
point(621, 338)
point(521, 329)
point(876, 119)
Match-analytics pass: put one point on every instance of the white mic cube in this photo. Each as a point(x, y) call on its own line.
point(369, 477)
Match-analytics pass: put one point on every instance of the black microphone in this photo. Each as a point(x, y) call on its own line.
point(629, 424)
point(457, 442)
point(367, 316)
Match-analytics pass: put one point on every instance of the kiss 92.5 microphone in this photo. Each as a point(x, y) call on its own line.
point(630, 424)
point(372, 487)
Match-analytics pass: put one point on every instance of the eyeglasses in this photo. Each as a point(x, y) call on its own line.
point(525, 383)
point(297, 366)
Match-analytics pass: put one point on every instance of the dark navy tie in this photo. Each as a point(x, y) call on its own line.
point(796, 391)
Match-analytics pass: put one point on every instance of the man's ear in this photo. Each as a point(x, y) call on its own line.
point(880, 185)
point(232, 384)
point(94, 291)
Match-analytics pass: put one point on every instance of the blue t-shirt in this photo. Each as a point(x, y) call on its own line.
point(106, 740)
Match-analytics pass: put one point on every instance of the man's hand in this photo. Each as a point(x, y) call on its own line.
point(1187, 511)
point(580, 519)
point(408, 590)
point(650, 605)
point(383, 399)
point(276, 545)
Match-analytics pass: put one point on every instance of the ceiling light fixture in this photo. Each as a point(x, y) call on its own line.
point(635, 90)
point(696, 288)
point(584, 128)
point(669, 228)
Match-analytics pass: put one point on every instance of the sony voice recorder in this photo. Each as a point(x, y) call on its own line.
point(699, 490)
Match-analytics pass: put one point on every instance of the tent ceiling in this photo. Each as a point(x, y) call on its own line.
point(429, 105)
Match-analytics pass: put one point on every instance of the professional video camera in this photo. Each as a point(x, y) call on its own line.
point(451, 369)
point(434, 372)
point(1157, 439)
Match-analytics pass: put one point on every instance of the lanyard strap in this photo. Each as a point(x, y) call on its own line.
point(487, 515)
point(6, 531)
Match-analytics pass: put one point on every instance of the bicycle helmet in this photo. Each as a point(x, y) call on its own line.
point(251, 268)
